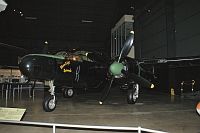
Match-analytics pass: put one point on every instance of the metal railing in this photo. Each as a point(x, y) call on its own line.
point(79, 127)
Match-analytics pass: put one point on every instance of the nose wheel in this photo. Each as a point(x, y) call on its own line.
point(49, 103)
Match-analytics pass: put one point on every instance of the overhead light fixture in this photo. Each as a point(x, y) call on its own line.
point(132, 7)
point(31, 18)
point(86, 21)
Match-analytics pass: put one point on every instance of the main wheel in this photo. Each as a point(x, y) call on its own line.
point(132, 94)
point(68, 92)
point(49, 104)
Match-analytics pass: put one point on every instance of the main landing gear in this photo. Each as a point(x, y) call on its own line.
point(68, 92)
point(49, 103)
point(133, 93)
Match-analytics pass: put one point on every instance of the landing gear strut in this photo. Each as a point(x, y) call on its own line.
point(49, 103)
point(133, 94)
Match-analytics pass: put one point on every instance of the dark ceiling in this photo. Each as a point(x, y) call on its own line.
point(64, 24)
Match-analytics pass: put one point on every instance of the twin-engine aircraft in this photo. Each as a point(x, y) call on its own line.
point(86, 70)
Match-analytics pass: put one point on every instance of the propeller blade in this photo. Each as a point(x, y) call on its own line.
point(140, 80)
point(127, 46)
point(106, 92)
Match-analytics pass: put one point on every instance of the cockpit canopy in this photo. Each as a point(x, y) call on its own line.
point(76, 56)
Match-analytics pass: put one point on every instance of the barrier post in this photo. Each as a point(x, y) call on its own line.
point(54, 128)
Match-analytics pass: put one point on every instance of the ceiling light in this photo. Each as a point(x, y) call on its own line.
point(27, 65)
point(86, 21)
point(31, 18)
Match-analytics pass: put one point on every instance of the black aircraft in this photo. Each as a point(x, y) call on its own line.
point(84, 69)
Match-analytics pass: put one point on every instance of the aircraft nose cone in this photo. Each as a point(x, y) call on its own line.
point(38, 67)
point(25, 66)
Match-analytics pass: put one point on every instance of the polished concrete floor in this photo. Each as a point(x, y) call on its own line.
point(153, 110)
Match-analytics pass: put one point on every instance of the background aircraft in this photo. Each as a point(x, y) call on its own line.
point(86, 70)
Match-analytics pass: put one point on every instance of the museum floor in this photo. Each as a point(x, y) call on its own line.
point(153, 110)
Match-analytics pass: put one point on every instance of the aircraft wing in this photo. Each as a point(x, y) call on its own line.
point(176, 61)
point(48, 55)
point(148, 67)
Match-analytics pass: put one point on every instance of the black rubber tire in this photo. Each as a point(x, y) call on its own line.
point(130, 98)
point(48, 104)
point(68, 92)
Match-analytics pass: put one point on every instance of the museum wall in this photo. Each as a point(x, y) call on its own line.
point(167, 28)
point(150, 35)
point(187, 19)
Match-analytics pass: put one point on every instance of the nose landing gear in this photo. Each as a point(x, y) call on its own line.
point(49, 103)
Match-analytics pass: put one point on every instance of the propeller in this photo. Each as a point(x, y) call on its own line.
point(117, 68)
